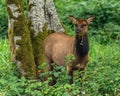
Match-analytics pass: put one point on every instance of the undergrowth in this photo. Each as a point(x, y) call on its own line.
point(101, 76)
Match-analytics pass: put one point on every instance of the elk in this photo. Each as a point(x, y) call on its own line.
point(59, 45)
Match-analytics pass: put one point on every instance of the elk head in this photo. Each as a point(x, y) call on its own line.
point(81, 25)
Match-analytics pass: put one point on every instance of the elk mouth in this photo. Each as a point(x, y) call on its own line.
point(79, 34)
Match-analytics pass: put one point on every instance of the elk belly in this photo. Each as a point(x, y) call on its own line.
point(60, 51)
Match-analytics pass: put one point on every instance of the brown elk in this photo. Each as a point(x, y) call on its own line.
point(59, 45)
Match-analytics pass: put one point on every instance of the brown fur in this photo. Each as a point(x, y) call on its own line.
point(59, 45)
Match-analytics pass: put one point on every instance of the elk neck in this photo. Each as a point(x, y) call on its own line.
point(81, 45)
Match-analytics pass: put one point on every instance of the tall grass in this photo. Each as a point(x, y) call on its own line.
point(4, 55)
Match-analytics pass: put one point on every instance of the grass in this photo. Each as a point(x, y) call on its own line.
point(4, 56)
point(101, 78)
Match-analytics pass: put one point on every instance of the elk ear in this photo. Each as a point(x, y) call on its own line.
point(74, 20)
point(90, 19)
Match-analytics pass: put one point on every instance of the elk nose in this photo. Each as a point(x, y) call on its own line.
point(78, 30)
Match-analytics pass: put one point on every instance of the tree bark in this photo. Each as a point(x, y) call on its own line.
point(19, 37)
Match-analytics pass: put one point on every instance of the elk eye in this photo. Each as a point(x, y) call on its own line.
point(76, 25)
point(84, 25)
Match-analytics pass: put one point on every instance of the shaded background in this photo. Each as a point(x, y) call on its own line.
point(104, 27)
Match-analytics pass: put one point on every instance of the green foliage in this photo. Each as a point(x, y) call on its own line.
point(101, 76)
point(104, 67)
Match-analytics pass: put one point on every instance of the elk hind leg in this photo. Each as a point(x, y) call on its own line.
point(50, 68)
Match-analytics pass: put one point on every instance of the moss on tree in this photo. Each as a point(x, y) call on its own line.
point(22, 46)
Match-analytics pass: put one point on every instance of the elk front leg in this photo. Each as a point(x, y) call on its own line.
point(83, 65)
point(70, 73)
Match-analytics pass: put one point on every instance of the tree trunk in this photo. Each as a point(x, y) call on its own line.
point(26, 37)
point(43, 20)
point(19, 37)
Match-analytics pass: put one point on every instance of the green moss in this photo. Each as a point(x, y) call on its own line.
point(24, 53)
point(18, 3)
point(37, 42)
point(63, 28)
